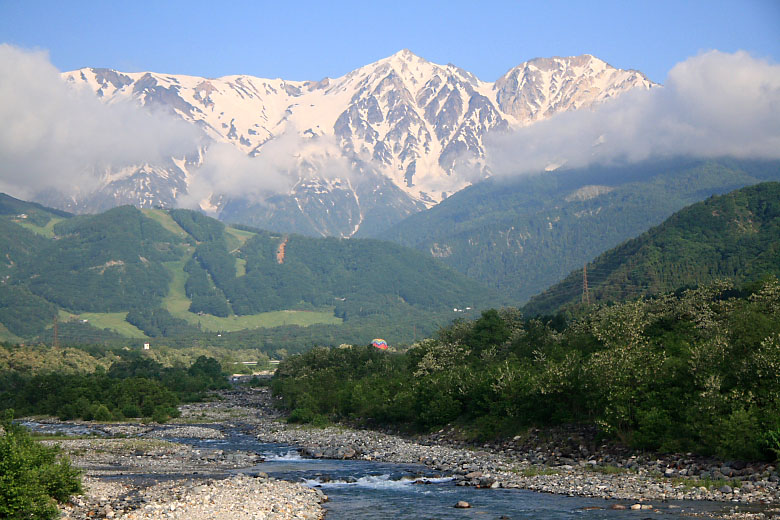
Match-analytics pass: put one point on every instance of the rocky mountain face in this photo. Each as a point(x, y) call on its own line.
point(365, 150)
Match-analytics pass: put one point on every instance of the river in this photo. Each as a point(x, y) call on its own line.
point(384, 491)
point(374, 490)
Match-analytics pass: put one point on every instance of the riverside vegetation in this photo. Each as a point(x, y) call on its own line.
point(33, 477)
point(694, 371)
point(133, 387)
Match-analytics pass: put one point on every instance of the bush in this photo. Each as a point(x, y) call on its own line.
point(740, 437)
point(32, 477)
point(772, 441)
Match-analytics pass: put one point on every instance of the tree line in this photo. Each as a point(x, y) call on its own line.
point(694, 371)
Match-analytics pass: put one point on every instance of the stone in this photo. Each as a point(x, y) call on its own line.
point(725, 489)
point(618, 507)
point(462, 504)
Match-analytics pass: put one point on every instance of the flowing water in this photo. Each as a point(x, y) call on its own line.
point(384, 491)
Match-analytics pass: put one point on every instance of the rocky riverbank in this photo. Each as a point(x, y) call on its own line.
point(239, 497)
point(138, 471)
point(566, 462)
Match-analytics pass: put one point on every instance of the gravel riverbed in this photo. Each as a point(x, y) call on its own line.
point(564, 462)
point(568, 463)
point(138, 471)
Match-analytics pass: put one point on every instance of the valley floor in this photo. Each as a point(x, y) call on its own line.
point(626, 480)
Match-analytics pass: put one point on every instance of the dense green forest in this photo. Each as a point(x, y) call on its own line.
point(734, 236)
point(689, 371)
point(521, 235)
point(41, 359)
point(127, 275)
point(134, 386)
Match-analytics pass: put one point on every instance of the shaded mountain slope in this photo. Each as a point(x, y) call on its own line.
point(521, 236)
point(734, 236)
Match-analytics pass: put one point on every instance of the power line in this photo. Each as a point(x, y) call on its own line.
point(585, 294)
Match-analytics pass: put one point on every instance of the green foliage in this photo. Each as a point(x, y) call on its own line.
point(134, 386)
point(24, 313)
point(201, 227)
point(735, 236)
point(124, 260)
point(675, 373)
point(522, 235)
point(103, 263)
point(19, 245)
point(158, 322)
point(33, 478)
point(772, 441)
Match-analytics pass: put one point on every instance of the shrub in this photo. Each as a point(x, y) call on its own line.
point(739, 436)
point(32, 476)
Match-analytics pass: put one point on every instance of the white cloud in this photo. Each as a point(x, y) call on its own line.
point(54, 136)
point(58, 137)
point(280, 164)
point(712, 105)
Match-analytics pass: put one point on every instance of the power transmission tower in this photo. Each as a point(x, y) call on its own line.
point(56, 333)
point(585, 293)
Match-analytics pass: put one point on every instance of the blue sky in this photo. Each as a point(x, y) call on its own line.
point(308, 40)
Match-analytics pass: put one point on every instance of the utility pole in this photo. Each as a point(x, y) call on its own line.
point(56, 333)
point(585, 293)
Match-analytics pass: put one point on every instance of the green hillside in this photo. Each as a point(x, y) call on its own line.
point(128, 273)
point(523, 235)
point(735, 236)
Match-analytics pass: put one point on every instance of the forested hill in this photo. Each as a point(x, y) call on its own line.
point(735, 236)
point(524, 234)
point(147, 273)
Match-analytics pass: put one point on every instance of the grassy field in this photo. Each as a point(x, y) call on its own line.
point(178, 304)
point(106, 320)
point(165, 220)
point(47, 230)
point(240, 267)
point(236, 237)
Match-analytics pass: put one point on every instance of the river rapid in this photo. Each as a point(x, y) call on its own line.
point(242, 442)
point(384, 491)
point(375, 490)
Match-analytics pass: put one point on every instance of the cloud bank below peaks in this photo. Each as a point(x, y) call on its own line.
point(712, 105)
point(56, 137)
point(283, 161)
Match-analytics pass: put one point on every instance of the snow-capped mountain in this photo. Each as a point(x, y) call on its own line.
point(368, 148)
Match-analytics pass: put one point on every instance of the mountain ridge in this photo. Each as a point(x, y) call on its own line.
point(179, 270)
point(733, 236)
point(394, 131)
point(522, 235)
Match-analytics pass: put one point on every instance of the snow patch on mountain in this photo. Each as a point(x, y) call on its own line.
point(418, 125)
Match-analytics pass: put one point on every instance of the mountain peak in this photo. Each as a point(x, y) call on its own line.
point(407, 122)
point(406, 55)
